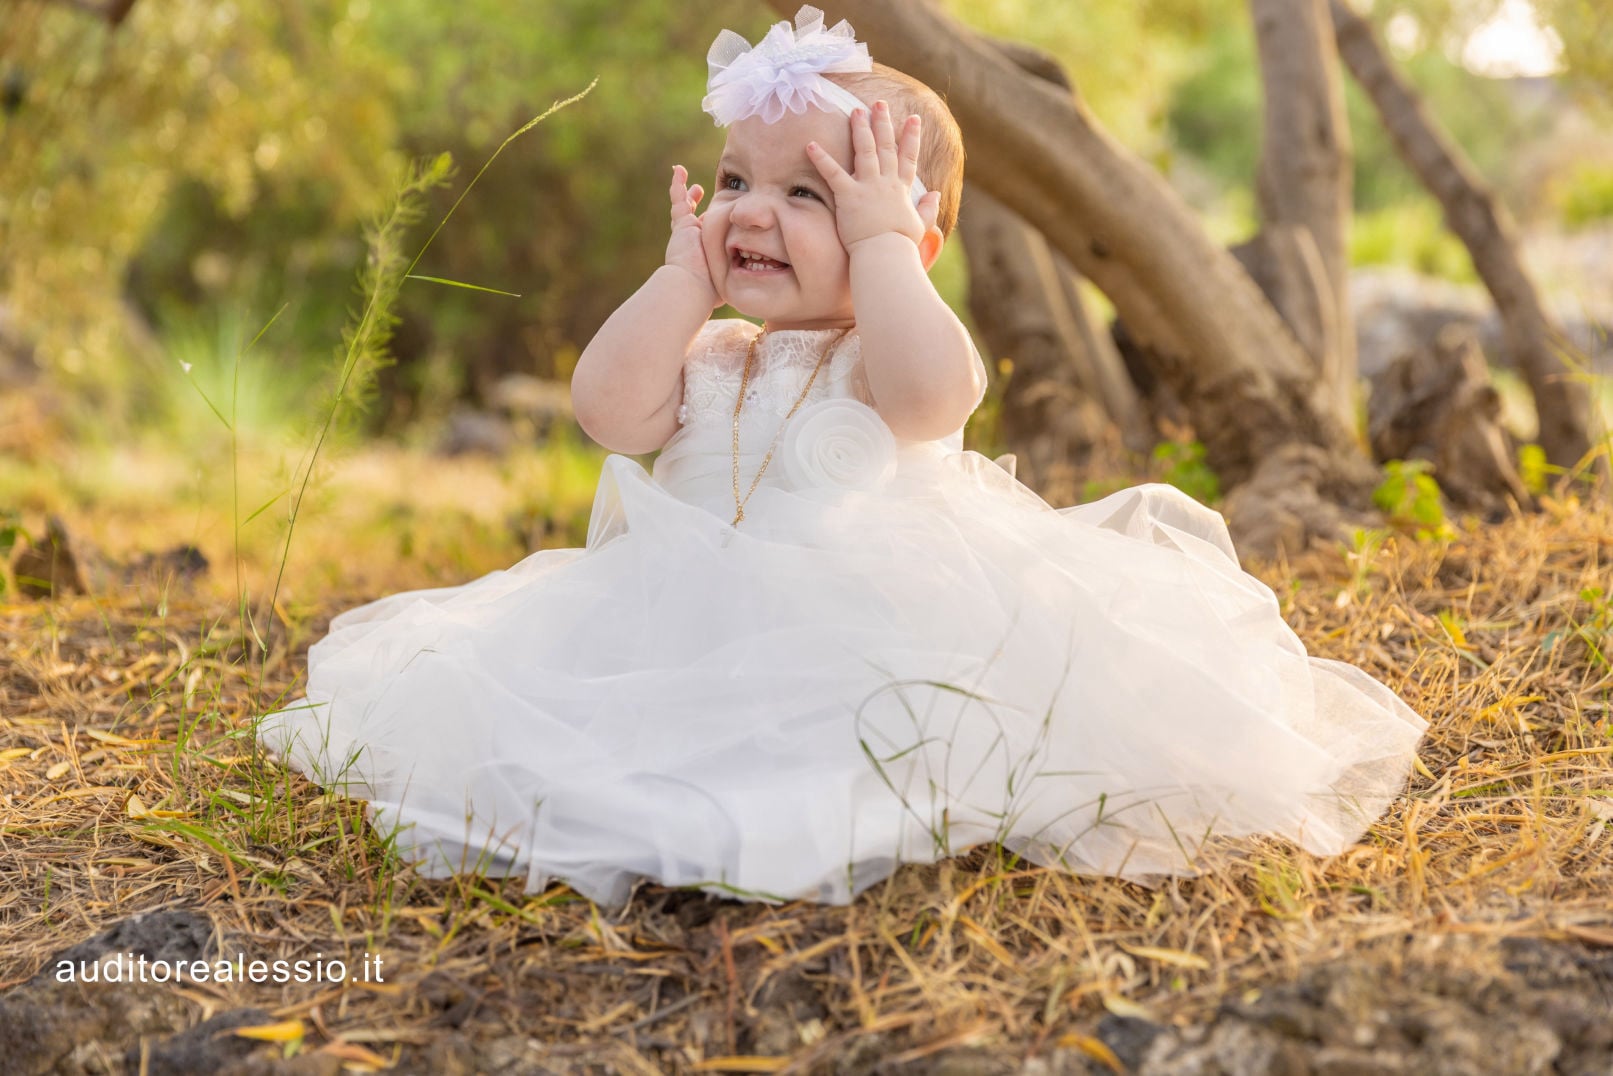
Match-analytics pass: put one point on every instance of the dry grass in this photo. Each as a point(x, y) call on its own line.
point(128, 782)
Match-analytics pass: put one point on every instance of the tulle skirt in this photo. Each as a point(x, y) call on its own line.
point(847, 682)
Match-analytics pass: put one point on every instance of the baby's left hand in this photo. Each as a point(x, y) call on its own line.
point(875, 199)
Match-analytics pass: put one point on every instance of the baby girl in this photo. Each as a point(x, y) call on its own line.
point(820, 639)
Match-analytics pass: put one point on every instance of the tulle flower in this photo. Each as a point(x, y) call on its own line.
point(784, 72)
point(838, 445)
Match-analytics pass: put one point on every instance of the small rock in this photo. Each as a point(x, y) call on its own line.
point(476, 432)
point(173, 934)
point(182, 561)
point(47, 1025)
point(1129, 1037)
point(48, 569)
point(207, 1047)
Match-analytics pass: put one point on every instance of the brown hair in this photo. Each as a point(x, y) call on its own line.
point(940, 152)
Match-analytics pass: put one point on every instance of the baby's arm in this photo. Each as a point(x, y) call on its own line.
point(628, 382)
point(918, 356)
point(920, 363)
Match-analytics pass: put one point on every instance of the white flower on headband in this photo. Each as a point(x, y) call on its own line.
point(784, 71)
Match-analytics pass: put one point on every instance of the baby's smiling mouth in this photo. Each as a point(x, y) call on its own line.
point(749, 261)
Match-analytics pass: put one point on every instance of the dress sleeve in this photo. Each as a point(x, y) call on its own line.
point(719, 337)
point(846, 374)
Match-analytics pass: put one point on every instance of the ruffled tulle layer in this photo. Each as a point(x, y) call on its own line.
point(847, 682)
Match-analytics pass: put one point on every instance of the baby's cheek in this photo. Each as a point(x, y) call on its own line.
point(713, 227)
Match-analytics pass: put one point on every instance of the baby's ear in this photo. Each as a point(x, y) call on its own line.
point(930, 245)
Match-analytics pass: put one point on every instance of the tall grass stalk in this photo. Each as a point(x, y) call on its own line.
point(364, 343)
point(268, 815)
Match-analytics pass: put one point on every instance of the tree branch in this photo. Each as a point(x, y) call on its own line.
point(1485, 227)
point(1036, 148)
point(113, 12)
point(1303, 182)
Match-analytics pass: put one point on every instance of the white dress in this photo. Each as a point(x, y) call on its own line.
point(899, 654)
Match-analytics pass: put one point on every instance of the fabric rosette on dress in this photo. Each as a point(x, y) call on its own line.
point(838, 445)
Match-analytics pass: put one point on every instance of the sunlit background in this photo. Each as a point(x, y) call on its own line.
point(184, 202)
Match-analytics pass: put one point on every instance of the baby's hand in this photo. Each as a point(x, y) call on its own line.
point(876, 199)
point(684, 250)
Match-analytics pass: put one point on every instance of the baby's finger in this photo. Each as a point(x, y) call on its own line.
point(908, 150)
point(696, 193)
point(679, 191)
point(929, 209)
point(828, 168)
point(884, 138)
point(864, 154)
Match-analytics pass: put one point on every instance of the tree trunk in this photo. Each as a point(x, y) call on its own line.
point(1054, 409)
point(1284, 261)
point(1482, 223)
point(1436, 403)
point(1303, 185)
point(1103, 373)
point(1030, 296)
point(1226, 352)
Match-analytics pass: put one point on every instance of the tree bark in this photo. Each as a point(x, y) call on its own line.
point(1104, 372)
point(1436, 403)
point(1303, 184)
point(113, 11)
point(1483, 224)
point(1055, 407)
point(1038, 150)
point(1028, 297)
point(1284, 261)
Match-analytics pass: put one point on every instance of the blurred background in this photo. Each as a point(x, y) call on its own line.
point(175, 174)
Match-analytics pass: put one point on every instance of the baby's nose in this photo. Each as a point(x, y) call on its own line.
point(753, 210)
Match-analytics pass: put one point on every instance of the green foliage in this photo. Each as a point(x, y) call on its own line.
point(1214, 115)
point(1411, 233)
point(576, 220)
point(364, 341)
point(1214, 112)
point(1365, 545)
point(1534, 469)
point(1095, 489)
point(1411, 498)
point(232, 107)
point(1584, 195)
point(1592, 627)
point(209, 163)
point(1596, 630)
point(11, 532)
point(1183, 466)
point(557, 480)
point(1124, 57)
point(1585, 28)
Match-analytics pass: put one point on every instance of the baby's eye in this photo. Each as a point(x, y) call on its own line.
point(806, 192)
point(730, 182)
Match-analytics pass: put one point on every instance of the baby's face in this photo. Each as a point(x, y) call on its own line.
point(769, 200)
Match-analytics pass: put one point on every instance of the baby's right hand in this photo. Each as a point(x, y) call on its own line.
point(685, 250)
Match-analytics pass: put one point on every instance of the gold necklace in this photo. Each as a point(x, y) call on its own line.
point(744, 382)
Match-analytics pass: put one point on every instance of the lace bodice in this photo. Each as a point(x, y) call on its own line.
point(785, 360)
point(696, 465)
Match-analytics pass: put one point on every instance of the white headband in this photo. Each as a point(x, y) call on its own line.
point(784, 72)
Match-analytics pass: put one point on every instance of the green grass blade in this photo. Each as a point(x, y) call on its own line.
point(460, 284)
